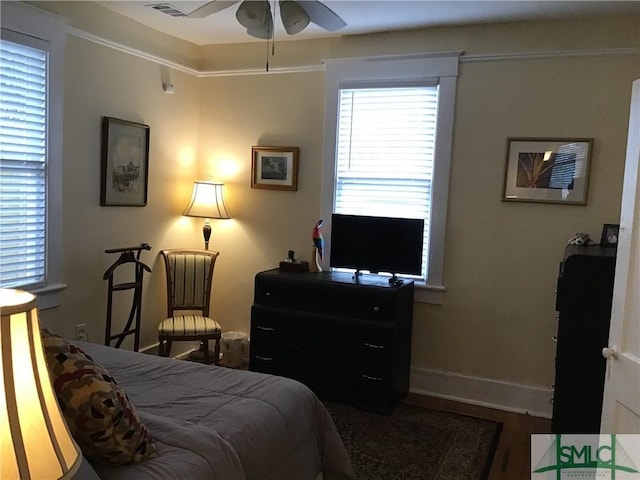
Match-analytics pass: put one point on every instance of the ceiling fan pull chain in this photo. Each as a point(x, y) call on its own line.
point(273, 37)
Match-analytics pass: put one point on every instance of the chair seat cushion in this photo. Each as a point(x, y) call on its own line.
point(189, 325)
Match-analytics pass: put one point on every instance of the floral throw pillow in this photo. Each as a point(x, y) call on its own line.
point(100, 417)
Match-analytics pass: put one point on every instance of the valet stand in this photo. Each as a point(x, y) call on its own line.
point(128, 255)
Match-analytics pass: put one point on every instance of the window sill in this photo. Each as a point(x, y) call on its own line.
point(424, 293)
point(49, 295)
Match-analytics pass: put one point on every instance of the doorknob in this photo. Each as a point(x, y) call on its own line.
point(610, 352)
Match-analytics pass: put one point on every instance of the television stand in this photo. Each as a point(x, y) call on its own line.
point(347, 339)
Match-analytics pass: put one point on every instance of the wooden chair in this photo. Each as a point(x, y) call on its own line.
point(189, 279)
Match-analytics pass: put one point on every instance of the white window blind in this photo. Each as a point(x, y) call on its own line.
point(385, 153)
point(23, 156)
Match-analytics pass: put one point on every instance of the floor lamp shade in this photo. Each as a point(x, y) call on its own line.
point(207, 201)
point(35, 442)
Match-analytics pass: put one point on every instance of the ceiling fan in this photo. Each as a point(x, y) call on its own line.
point(257, 16)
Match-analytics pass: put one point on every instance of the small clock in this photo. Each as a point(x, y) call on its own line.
point(610, 234)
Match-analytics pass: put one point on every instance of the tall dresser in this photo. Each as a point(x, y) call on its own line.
point(346, 339)
point(583, 302)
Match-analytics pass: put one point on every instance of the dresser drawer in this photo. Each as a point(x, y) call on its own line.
point(274, 330)
point(349, 302)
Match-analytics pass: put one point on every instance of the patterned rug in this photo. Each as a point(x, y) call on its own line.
point(416, 443)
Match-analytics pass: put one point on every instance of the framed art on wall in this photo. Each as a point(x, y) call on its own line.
point(547, 170)
point(274, 168)
point(610, 233)
point(125, 163)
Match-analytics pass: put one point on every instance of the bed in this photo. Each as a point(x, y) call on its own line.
point(211, 422)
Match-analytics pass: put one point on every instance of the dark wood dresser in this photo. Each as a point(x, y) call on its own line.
point(347, 340)
point(583, 302)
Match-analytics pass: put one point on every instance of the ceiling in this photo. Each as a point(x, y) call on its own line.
point(365, 16)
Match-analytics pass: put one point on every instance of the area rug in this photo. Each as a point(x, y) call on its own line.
point(416, 443)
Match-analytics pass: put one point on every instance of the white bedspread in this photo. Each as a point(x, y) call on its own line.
point(217, 423)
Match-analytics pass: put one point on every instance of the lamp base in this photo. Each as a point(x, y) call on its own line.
point(206, 232)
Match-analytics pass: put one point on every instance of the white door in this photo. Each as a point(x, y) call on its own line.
point(621, 403)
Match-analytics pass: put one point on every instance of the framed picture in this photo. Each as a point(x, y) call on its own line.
point(274, 168)
point(610, 234)
point(547, 170)
point(124, 172)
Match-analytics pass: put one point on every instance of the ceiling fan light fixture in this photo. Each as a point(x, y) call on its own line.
point(263, 31)
point(294, 17)
point(253, 14)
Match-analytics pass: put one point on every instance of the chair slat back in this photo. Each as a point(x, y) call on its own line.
point(189, 279)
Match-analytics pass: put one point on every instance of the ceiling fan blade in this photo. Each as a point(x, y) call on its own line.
point(211, 8)
point(322, 15)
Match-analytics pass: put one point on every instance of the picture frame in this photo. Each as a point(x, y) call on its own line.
point(124, 172)
point(610, 234)
point(547, 170)
point(274, 168)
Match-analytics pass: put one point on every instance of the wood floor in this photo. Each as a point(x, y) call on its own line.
point(512, 459)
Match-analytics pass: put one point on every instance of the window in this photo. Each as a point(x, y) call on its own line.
point(384, 159)
point(31, 86)
point(23, 115)
point(388, 141)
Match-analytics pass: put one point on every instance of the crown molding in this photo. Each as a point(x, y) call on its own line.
point(259, 71)
point(501, 57)
point(320, 67)
point(76, 32)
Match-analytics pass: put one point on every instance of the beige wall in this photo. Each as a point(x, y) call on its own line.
point(100, 81)
point(501, 260)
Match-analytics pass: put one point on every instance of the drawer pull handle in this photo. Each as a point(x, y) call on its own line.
point(267, 294)
point(555, 338)
point(266, 329)
point(371, 345)
point(267, 359)
point(368, 377)
point(376, 309)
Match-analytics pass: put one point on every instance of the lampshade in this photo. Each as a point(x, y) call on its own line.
point(35, 442)
point(207, 201)
point(294, 17)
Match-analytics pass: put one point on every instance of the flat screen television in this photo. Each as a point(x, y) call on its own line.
point(377, 244)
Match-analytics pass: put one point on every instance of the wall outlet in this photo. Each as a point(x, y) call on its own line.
point(81, 332)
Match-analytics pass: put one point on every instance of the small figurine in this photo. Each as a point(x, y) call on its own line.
point(318, 248)
point(580, 239)
point(318, 240)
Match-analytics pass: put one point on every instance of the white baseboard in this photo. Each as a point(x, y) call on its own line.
point(153, 350)
point(150, 349)
point(511, 397)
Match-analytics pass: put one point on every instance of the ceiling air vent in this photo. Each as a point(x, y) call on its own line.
point(168, 9)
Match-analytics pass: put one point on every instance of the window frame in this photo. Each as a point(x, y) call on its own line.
point(393, 71)
point(19, 23)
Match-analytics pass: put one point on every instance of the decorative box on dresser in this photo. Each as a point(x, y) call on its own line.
point(346, 339)
point(583, 302)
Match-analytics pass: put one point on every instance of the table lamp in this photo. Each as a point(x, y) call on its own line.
point(207, 201)
point(35, 442)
